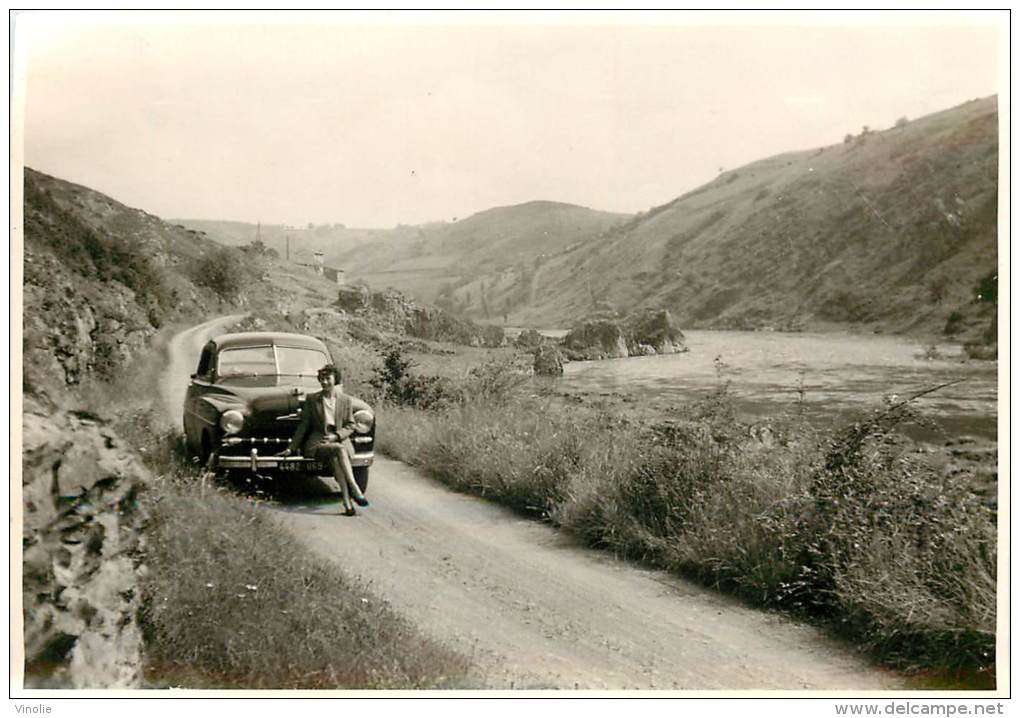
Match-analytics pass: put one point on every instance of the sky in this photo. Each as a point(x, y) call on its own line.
point(372, 120)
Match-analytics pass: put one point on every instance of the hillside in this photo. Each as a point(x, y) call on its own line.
point(888, 231)
point(498, 240)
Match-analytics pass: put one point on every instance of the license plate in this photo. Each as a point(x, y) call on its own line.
point(302, 466)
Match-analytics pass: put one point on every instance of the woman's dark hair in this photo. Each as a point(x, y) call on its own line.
point(330, 369)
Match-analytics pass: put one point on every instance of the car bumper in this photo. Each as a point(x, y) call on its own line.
point(288, 464)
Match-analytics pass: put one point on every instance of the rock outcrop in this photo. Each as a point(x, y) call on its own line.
point(646, 333)
point(596, 339)
point(73, 327)
point(81, 534)
point(351, 298)
point(548, 360)
point(654, 332)
point(529, 339)
point(390, 311)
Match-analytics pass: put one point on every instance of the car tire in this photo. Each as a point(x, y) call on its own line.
point(206, 449)
point(189, 446)
point(361, 477)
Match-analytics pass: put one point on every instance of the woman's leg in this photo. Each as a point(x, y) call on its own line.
point(338, 474)
point(345, 461)
point(330, 454)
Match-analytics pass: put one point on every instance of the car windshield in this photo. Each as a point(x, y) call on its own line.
point(262, 361)
point(301, 362)
point(248, 361)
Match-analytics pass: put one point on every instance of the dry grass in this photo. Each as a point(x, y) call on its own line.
point(853, 527)
point(231, 600)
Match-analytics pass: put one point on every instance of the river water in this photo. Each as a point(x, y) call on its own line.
point(838, 376)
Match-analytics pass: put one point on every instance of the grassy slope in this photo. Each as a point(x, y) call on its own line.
point(850, 233)
point(168, 244)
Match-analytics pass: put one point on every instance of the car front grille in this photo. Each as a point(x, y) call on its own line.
point(256, 441)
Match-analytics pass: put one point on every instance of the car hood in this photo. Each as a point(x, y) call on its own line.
point(263, 393)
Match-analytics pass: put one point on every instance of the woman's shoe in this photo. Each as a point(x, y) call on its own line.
point(361, 501)
point(350, 512)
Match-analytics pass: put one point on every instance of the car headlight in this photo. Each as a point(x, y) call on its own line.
point(363, 420)
point(231, 421)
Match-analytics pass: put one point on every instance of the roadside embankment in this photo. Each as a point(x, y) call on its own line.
point(855, 527)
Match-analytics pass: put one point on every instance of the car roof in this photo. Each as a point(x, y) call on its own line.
point(264, 339)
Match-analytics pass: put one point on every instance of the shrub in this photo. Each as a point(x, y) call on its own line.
point(954, 324)
point(394, 383)
point(987, 289)
point(496, 380)
point(225, 271)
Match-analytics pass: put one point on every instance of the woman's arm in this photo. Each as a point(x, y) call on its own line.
point(299, 436)
point(347, 428)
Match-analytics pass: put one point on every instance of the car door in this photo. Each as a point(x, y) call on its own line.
point(201, 383)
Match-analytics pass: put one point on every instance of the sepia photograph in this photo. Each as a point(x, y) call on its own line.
point(439, 354)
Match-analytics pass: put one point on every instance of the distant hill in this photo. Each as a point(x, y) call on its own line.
point(890, 231)
point(444, 256)
point(330, 239)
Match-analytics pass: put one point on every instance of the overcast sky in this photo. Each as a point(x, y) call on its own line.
point(409, 118)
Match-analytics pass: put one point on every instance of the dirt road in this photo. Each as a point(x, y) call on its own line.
point(535, 610)
point(182, 360)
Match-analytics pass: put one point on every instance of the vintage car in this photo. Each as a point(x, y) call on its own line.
point(244, 404)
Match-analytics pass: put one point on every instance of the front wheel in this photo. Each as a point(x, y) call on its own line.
point(361, 477)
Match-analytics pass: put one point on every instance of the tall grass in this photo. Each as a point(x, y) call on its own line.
point(854, 527)
point(232, 600)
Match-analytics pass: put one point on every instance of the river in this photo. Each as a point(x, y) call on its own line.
point(836, 376)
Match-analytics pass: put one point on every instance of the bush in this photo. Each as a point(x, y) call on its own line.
point(987, 289)
point(394, 383)
point(954, 324)
point(224, 270)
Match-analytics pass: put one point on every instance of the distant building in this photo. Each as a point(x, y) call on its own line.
point(337, 275)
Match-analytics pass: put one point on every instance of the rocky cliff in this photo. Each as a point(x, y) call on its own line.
point(82, 528)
